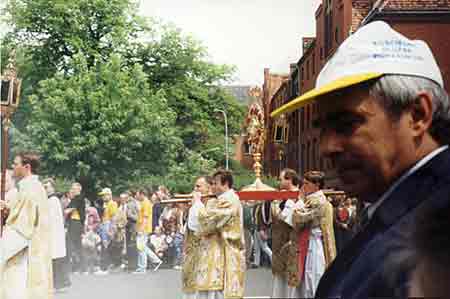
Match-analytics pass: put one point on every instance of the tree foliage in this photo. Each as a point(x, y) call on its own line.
point(110, 97)
point(103, 125)
point(53, 32)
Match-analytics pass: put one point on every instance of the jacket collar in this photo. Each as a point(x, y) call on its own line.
point(408, 195)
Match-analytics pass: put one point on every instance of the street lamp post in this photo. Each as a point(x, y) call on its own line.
point(9, 100)
point(226, 136)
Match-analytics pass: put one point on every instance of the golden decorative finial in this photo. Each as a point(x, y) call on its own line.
point(256, 138)
point(255, 92)
point(10, 86)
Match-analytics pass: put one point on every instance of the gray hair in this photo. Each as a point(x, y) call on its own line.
point(398, 92)
point(50, 181)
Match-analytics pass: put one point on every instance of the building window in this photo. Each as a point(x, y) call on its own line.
point(328, 27)
point(307, 117)
point(314, 63)
point(303, 162)
point(321, 53)
point(302, 119)
point(303, 73)
point(308, 156)
point(336, 35)
point(316, 154)
point(246, 148)
point(307, 70)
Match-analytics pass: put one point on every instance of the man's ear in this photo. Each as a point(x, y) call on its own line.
point(422, 113)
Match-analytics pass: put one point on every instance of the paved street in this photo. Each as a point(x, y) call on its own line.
point(163, 284)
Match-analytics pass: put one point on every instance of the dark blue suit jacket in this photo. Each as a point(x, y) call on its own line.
point(369, 265)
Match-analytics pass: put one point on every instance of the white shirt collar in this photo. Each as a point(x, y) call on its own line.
point(29, 178)
point(417, 166)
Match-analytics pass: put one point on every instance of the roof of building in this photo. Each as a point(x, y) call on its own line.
point(416, 4)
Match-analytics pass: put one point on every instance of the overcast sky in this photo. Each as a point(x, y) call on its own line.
point(250, 34)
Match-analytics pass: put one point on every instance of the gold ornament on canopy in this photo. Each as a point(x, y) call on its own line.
point(256, 137)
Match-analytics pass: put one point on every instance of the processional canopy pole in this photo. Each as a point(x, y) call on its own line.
point(9, 97)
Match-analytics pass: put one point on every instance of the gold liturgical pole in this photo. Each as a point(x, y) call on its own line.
point(256, 139)
point(10, 95)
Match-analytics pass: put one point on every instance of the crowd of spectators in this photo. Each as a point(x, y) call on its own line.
point(134, 232)
point(131, 232)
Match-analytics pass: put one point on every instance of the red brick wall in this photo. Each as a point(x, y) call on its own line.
point(416, 4)
point(347, 16)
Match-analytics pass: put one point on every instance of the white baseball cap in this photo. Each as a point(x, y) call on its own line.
point(371, 52)
point(105, 191)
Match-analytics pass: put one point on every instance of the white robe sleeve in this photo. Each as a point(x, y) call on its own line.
point(11, 244)
point(288, 211)
point(193, 223)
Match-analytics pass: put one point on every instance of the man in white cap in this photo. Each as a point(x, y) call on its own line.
point(384, 118)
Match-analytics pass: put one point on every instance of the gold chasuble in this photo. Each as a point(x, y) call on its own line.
point(318, 212)
point(25, 256)
point(281, 235)
point(215, 253)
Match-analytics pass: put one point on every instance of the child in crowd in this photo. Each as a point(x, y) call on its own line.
point(158, 241)
point(91, 243)
point(105, 232)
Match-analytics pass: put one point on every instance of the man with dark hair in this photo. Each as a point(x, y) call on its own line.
point(76, 216)
point(315, 213)
point(25, 247)
point(220, 221)
point(285, 243)
point(290, 175)
point(132, 209)
point(384, 120)
point(315, 177)
point(225, 177)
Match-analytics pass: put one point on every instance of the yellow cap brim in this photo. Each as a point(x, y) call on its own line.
point(312, 95)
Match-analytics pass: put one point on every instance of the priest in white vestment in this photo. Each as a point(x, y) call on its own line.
point(217, 244)
point(25, 246)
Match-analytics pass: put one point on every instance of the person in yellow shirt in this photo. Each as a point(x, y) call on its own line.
point(144, 228)
point(110, 206)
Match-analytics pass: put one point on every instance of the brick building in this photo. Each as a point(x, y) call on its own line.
point(427, 20)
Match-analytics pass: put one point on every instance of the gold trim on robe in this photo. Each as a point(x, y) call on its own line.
point(318, 212)
point(281, 234)
point(215, 256)
point(30, 218)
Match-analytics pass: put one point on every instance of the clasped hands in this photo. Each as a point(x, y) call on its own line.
point(196, 196)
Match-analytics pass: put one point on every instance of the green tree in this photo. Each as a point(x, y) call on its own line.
point(54, 31)
point(103, 125)
point(179, 65)
point(50, 37)
point(47, 34)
